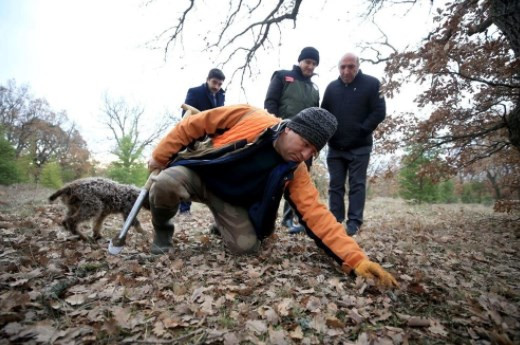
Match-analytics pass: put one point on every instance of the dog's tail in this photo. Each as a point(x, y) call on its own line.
point(58, 193)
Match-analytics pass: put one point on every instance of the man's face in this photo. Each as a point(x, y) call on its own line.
point(293, 147)
point(307, 66)
point(214, 84)
point(348, 68)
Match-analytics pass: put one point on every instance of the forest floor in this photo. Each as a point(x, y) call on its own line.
point(458, 267)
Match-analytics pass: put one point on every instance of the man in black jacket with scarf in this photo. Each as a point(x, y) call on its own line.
point(355, 99)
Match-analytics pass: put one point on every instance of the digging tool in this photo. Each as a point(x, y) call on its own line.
point(117, 243)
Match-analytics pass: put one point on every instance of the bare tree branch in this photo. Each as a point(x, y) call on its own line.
point(379, 55)
point(179, 27)
point(480, 80)
point(259, 31)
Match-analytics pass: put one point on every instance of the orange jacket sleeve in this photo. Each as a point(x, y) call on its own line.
point(224, 123)
point(324, 228)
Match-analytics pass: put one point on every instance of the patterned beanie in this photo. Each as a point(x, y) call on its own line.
point(315, 124)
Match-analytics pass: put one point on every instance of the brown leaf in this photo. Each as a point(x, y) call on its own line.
point(437, 328)
point(296, 333)
point(319, 324)
point(334, 322)
point(121, 315)
point(76, 299)
point(43, 332)
point(418, 322)
point(231, 339)
point(271, 316)
point(313, 305)
point(416, 288)
point(284, 306)
point(354, 315)
point(277, 337)
point(170, 323)
point(177, 264)
point(197, 294)
point(158, 329)
point(257, 326)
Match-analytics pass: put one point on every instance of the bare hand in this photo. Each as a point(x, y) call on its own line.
point(154, 165)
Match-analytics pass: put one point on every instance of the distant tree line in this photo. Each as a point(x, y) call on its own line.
point(40, 145)
point(37, 143)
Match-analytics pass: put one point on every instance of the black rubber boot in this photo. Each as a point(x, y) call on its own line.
point(163, 230)
point(213, 229)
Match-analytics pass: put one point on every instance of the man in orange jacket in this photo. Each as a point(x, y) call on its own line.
point(241, 173)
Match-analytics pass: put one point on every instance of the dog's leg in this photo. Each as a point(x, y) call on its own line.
point(70, 222)
point(136, 224)
point(87, 210)
point(98, 224)
point(138, 227)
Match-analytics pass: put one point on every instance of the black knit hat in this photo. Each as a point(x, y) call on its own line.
point(216, 73)
point(315, 124)
point(310, 53)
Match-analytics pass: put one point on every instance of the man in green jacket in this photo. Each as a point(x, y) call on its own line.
point(289, 92)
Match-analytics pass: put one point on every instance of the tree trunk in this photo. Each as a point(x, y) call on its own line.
point(513, 124)
point(506, 16)
point(494, 184)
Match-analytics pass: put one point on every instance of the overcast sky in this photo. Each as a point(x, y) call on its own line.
point(72, 51)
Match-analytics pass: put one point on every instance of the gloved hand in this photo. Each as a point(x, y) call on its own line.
point(368, 269)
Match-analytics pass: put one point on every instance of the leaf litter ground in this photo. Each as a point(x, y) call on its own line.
point(458, 266)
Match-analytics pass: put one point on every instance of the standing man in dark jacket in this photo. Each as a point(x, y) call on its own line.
point(210, 94)
point(289, 93)
point(355, 99)
point(207, 96)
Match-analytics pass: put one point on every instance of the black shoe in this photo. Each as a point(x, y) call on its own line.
point(295, 229)
point(213, 229)
point(287, 223)
point(352, 229)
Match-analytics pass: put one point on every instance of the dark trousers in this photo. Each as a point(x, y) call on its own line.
point(342, 164)
point(185, 206)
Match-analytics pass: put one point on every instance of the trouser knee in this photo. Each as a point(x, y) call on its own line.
point(169, 189)
point(245, 244)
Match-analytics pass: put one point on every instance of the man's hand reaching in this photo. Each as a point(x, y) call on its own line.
point(368, 269)
point(154, 165)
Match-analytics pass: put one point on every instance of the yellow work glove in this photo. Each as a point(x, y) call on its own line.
point(368, 269)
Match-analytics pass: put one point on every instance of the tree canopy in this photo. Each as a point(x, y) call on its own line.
point(468, 66)
point(39, 134)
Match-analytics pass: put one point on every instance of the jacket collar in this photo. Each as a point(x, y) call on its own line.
point(356, 78)
point(298, 70)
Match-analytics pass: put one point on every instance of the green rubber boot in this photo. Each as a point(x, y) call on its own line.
point(163, 230)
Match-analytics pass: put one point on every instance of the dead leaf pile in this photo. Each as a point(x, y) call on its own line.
point(458, 268)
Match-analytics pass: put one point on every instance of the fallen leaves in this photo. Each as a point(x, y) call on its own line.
point(454, 286)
